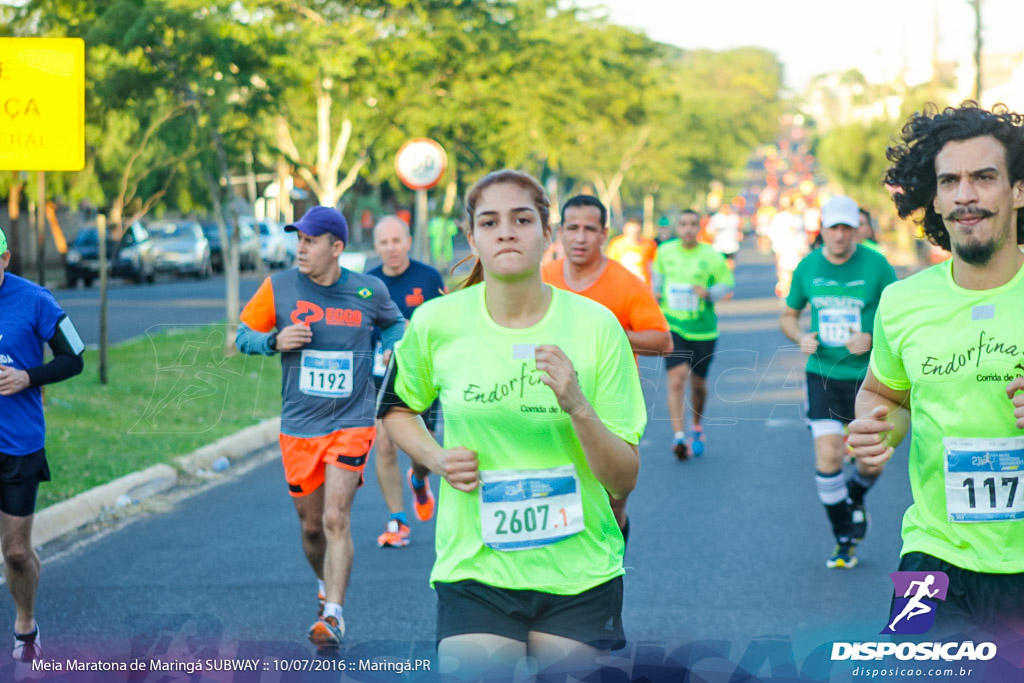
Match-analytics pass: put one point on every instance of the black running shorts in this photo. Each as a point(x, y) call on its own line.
point(975, 601)
point(831, 399)
point(19, 482)
point(696, 352)
point(593, 617)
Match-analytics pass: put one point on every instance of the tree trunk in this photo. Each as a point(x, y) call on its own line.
point(14, 214)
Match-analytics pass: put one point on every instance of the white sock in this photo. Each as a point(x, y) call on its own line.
point(321, 586)
point(679, 436)
point(332, 609)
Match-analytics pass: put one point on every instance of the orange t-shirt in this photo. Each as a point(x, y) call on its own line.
point(619, 291)
point(637, 258)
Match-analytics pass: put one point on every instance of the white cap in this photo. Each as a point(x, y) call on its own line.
point(840, 210)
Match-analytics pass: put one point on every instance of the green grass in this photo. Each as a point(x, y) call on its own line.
point(168, 394)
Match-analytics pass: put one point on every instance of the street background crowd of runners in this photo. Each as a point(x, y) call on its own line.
point(663, 291)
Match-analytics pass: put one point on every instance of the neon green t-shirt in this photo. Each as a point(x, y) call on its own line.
point(690, 316)
point(843, 301)
point(495, 404)
point(956, 350)
point(872, 245)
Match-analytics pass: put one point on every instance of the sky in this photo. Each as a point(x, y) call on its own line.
point(812, 37)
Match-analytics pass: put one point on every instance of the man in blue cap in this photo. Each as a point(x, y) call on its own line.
point(319, 317)
point(29, 316)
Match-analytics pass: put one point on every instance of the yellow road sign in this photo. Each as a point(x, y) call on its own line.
point(42, 104)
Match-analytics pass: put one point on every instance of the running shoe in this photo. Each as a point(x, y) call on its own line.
point(396, 535)
point(681, 450)
point(423, 498)
point(845, 554)
point(321, 598)
point(697, 442)
point(27, 649)
point(327, 634)
point(861, 521)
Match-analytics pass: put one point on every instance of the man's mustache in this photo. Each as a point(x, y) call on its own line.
point(971, 211)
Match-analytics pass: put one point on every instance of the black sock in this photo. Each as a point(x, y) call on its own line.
point(840, 515)
point(858, 485)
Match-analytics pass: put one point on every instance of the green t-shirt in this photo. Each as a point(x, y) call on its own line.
point(690, 316)
point(843, 301)
point(956, 350)
point(495, 404)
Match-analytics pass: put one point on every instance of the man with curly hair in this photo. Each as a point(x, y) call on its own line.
point(948, 363)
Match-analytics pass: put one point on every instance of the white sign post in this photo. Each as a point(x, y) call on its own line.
point(420, 164)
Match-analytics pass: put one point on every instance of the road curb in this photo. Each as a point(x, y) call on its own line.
point(68, 515)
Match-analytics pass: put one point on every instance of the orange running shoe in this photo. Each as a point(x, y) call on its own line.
point(423, 498)
point(396, 535)
point(327, 634)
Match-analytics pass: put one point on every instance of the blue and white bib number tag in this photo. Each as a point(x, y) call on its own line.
point(326, 373)
point(984, 479)
point(683, 298)
point(379, 369)
point(837, 325)
point(523, 509)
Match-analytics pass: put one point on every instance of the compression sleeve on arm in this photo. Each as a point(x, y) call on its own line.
point(718, 292)
point(250, 341)
point(390, 335)
point(67, 360)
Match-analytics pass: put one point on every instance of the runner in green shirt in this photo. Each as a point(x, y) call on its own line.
point(841, 283)
point(539, 421)
point(948, 363)
point(689, 278)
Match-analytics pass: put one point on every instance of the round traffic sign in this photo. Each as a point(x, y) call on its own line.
point(420, 163)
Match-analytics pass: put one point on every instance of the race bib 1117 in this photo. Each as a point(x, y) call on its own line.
point(984, 479)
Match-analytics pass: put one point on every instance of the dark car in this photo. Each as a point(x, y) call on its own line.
point(182, 248)
point(82, 262)
point(248, 246)
point(132, 257)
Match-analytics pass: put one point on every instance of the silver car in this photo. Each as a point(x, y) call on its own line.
point(276, 246)
point(182, 248)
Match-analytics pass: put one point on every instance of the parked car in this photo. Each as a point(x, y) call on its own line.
point(81, 263)
point(248, 246)
point(275, 246)
point(182, 248)
point(132, 257)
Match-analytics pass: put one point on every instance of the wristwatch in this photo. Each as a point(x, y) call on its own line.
point(272, 341)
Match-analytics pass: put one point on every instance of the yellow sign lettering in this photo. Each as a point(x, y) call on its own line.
point(42, 104)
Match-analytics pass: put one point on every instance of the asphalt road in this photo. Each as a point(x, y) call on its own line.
point(725, 574)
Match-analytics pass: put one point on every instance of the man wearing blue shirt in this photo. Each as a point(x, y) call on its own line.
point(29, 316)
point(411, 284)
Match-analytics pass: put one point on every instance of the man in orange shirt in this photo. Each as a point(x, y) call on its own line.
point(634, 251)
point(585, 271)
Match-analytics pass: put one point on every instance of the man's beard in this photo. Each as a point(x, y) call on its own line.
point(977, 253)
point(972, 252)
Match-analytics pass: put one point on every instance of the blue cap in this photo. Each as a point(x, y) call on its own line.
point(321, 219)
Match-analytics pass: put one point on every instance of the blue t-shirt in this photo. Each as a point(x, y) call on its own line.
point(416, 284)
point(28, 319)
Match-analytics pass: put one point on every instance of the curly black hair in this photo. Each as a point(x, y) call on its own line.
point(921, 140)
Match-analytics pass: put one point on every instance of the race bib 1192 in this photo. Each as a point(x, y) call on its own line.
point(326, 373)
